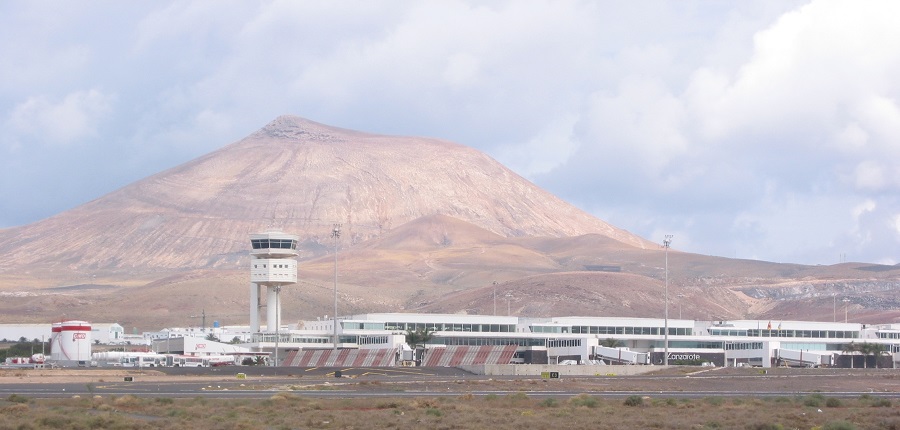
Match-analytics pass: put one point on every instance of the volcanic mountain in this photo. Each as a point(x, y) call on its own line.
point(300, 177)
point(427, 225)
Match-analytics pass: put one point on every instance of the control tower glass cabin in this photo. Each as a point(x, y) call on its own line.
point(273, 264)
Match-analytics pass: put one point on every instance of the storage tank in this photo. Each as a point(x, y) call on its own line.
point(70, 342)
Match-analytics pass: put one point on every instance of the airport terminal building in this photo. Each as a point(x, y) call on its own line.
point(485, 339)
point(456, 339)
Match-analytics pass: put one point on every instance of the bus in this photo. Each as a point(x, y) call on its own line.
point(143, 360)
point(186, 361)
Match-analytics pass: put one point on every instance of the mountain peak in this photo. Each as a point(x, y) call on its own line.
point(297, 128)
point(301, 177)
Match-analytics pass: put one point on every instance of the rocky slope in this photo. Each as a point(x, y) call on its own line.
point(428, 226)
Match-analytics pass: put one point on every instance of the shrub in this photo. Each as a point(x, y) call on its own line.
point(833, 402)
point(433, 411)
point(15, 398)
point(55, 421)
point(425, 403)
point(634, 401)
point(549, 403)
point(467, 397)
point(15, 410)
point(812, 402)
point(127, 401)
point(881, 403)
point(767, 426)
point(889, 424)
point(517, 396)
point(583, 400)
point(715, 401)
point(838, 425)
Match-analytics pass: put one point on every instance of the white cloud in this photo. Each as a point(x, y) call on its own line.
point(61, 122)
point(870, 175)
point(745, 128)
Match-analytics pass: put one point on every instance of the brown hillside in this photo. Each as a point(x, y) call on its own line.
point(298, 176)
point(428, 225)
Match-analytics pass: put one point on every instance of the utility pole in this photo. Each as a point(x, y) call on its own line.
point(202, 317)
point(336, 234)
point(666, 242)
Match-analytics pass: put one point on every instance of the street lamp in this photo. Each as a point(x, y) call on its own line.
point(666, 242)
point(336, 234)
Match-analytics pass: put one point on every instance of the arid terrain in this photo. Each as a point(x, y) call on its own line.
point(731, 398)
point(427, 226)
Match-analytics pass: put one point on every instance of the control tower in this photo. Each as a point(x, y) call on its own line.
point(273, 264)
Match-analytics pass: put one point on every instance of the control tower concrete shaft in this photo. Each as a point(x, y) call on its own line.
point(273, 264)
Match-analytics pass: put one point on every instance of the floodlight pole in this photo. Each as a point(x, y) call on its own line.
point(277, 322)
point(336, 234)
point(495, 298)
point(666, 242)
point(834, 307)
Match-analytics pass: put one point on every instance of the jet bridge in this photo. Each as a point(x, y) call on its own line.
point(796, 358)
point(620, 355)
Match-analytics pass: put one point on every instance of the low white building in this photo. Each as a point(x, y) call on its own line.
point(196, 346)
point(15, 332)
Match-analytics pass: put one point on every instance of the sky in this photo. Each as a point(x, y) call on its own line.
point(765, 130)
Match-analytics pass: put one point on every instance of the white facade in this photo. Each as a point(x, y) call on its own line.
point(195, 346)
point(576, 339)
point(108, 333)
point(14, 332)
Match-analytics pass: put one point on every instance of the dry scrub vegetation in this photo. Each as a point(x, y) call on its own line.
point(284, 410)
